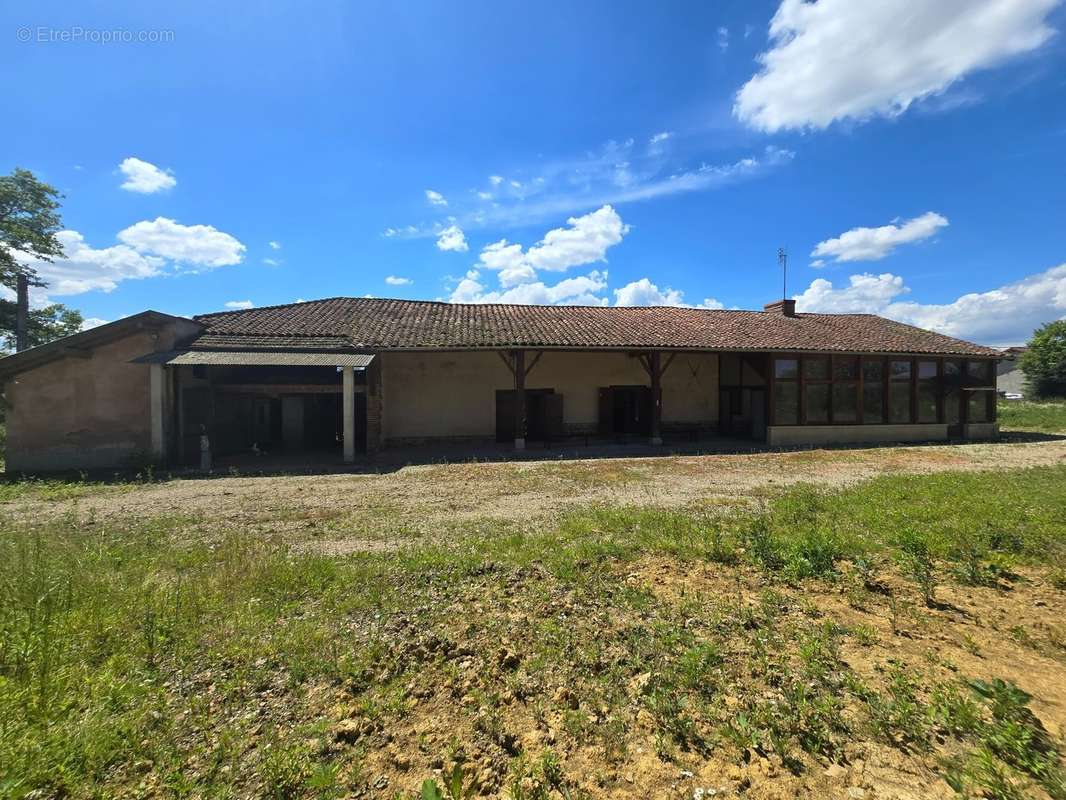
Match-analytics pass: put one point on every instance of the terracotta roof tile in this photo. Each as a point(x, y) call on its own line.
point(346, 323)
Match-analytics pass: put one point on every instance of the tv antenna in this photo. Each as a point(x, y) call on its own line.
point(782, 259)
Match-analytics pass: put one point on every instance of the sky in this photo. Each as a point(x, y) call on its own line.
point(909, 156)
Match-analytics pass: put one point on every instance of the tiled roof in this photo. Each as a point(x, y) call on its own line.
point(378, 324)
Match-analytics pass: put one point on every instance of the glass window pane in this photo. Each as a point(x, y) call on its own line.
point(786, 368)
point(899, 402)
point(845, 368)
point(845, 402)
point(816, 369)
point(952, 375)
point(978, 409)
point(979, 372)
point(952, 406)
point(873, 402)
point(873, 370)
point(786, 403)
point(927, 403)
point(927, 370)
point(817, 403)
point(899, 370)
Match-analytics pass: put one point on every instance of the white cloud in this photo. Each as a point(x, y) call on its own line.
point(660, 137)
point(199, 245)
point(723, 38)
point(92, 322)
point(873, 244)
point(274, 245)
point(580, 290)
point(452, 239)
point(396, 280)
point(495, 180)
point(645, 293)
point(240, 305)
point(435, 198)
point(84, 268)
point(839, 59)
point(145, 178)
point(272, 262)
point(1001, 317)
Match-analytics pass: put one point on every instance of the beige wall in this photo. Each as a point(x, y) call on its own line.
point(84, 413)
point(454, 393)
point(791, 435)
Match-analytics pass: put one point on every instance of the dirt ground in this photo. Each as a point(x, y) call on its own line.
point(350, 512)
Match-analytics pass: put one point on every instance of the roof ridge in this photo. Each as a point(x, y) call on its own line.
point(277, 305)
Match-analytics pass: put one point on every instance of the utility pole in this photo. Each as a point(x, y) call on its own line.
point(782, 259)
point(22, 308)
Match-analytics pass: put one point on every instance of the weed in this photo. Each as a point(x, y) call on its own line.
point(916, 560)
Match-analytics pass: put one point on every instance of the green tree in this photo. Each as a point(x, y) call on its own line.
point(42, 324)
point(29, 222)
point(1044, 363)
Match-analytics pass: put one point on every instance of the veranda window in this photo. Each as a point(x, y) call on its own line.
point(899, 391)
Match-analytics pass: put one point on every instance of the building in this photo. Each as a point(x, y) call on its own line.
point(1010, 379)
point(342, 377)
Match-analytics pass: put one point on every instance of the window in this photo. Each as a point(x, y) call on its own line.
point(979, 396)
point(928, 391)
point(786, 391)
point(786, 403)
point(817, 403)
point(899, 392)
point(952, 392)
point(845, 389)
point(873, 391)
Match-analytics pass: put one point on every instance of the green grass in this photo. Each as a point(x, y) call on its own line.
point(1046, 416)
point(133, 662)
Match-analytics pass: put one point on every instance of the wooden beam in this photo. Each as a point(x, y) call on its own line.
point(506, 361)
point(656, 372)
point(533, 363)
point(643, 359)
point(285, 388)
point(519, 371)
point(669, 361)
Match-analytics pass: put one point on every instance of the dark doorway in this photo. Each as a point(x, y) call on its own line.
point(625, 411)
point(544, 415)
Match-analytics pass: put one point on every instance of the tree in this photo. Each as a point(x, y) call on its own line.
point(42, 324)
point(29, 222)
point(1044, 363)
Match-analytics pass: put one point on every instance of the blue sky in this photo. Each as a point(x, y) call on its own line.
point(911, 156)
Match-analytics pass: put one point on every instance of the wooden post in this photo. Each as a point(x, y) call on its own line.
point(519, 362)
point(157, 383)
point(656, 371)
point(348, 374)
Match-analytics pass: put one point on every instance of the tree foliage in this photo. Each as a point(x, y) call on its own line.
point(29, 222)
point(1044, 363)
point(44, 324)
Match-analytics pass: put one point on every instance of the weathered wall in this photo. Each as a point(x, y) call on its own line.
point(454, 394)
point(792, 435)
point(85, 413)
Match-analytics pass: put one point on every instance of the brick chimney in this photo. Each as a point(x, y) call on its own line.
point(786, 307)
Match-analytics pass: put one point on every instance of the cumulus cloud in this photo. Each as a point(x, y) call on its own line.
point(838, 59)
point(200, 245)
point(274, 245)
point(396, 280)
point(645, 293)
point(240, 305)
point(581, 290)
point(435, 198)
point(1000, 317)
point(873, 244)
point(85, 268)
point(89, 323)
point(452, 239)
point(144, 177)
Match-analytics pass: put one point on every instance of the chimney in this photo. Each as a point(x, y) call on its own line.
point(786, 307)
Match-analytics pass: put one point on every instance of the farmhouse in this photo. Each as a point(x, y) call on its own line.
point(343, 378)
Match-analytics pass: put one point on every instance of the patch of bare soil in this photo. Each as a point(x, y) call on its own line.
point(601, 695)
point(418, 501)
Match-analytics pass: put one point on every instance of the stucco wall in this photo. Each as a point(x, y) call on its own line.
point(790, 435)
point(454, 394)
point(84, 413)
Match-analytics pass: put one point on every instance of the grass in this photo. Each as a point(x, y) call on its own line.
point(133, 663)
point(1045, 416)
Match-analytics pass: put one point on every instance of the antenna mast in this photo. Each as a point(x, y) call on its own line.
point(782, 259)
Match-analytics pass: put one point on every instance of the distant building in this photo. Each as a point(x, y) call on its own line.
point(1010, 378)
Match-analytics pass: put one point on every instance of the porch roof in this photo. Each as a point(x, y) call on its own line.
point(249, 358)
